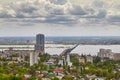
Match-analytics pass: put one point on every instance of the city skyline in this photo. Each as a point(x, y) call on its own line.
point(60, 17)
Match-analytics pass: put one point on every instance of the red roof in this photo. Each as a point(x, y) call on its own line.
point(57, 70)
point(24, 78)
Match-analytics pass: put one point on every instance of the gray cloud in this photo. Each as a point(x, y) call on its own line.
point(59, 2)
point(114, 18)
point(61, 20)
point(57, 12)
point(98, 4)
point(77, 10)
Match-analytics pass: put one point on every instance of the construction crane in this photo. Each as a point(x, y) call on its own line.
point(64, 58)
point(67, 51)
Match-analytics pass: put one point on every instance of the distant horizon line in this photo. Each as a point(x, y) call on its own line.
point(56, 36)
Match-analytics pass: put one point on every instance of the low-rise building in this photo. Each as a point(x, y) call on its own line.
point(81, 59)
point(116, 56)
point(50, 61)
point(89, 58)
point(60, 76)
point(98, 78)
point(90, 77)
point(105, 53)
point(27, 75)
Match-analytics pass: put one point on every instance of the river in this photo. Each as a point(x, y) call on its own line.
point(58, 48)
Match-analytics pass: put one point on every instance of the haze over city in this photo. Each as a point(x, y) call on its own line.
point(60, 17)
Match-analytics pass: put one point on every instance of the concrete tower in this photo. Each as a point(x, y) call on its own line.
point(39, 49)
point(32, 58)
point(39, 46)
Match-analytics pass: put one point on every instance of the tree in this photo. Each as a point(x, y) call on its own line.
point(44, 57)
point(56, 78)
point(32, 78)
point(96, 60)
point(74, 59)
point(67, 78)
point(32, 71)
point(39, 78)
point(14, 77)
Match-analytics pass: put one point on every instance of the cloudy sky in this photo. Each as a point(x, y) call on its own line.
point(60, 17)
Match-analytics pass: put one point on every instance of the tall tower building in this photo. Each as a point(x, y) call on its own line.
point(32, 58)
point(39, 49)
point(40, 41)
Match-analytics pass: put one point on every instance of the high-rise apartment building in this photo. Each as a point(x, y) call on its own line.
point(39, 49)
point(40, 41)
